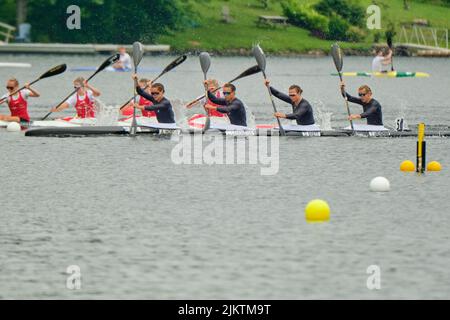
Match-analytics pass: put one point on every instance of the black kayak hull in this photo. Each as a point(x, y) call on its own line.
point(117, 130)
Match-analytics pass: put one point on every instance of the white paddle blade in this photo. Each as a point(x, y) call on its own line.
point(205, 62)
point(138, 53)
point(260, 57)
point(336, 53)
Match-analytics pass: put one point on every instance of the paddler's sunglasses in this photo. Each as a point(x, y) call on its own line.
point(155, 93)
point(10, 88)
point(362, 94)
point(225, 93)
point(292, 95)
point(77, 87)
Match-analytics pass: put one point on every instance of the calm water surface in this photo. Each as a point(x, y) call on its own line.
point(140, 226)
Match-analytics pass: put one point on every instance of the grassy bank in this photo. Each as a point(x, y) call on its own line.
point(208, 32)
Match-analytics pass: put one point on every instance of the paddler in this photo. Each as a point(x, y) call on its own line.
point(213, 86)
point(83, 100)
point(161, 105)
point(124, 63)
point(18, 103)
point(382, 60)
point(302, 111)
point(229, 105)
point(140, 101)
point(371, 107)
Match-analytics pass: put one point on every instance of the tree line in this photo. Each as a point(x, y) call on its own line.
point(102, 21)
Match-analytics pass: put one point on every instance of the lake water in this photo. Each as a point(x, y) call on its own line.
point(140, 226)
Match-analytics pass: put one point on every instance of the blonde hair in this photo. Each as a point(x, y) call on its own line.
point(79, 80)
point(366, 89)
point(14, 80)
point(213, 82)
point(143, 80)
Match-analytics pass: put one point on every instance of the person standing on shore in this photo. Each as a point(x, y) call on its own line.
point(18, 103)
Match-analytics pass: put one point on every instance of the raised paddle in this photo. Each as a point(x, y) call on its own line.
point(205, 63)
point(170, 67)
point(138, 53)
point(250, 71)
point(111, 60)
point(338, 59)
point(261, 60)
point(50, 73)
point(389, 43)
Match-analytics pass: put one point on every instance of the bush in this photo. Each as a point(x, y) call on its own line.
point(355, 34)
point(337, 28)
point(305, 16)
point(349, 10)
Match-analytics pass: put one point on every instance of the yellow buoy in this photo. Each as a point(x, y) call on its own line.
point(407, 166)
point(434, 166)
point(317, 211)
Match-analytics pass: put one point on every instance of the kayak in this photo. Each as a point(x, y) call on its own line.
point(391, 74)
point(77, 122)
point(14, 65)
point(231, 130)
point(111, 69)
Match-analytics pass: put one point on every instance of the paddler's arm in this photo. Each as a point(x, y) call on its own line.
point(65, 105)
point(298, 113)
point(33, 93)
point(164, 104)
point(95, 91)
point(216, 100)
point(278, 94)
point(145, 95)
point(349, 97)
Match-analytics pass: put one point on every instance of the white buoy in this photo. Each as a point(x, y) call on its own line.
point(380, 184)
point(13, 127)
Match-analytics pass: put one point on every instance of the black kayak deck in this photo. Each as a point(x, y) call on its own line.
point(118, 130)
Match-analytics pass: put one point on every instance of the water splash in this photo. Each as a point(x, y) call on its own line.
point(322, 115)
point(106, 115)
point(251, 119)
point(180, 113)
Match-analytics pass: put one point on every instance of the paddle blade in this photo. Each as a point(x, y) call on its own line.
point(111, 60)
point(389, 39)
point(205, 62)
point(260, 57)
point(54, 71)
point(250, 71)
point(338, 59)
point(175, 63)
point(138, 53)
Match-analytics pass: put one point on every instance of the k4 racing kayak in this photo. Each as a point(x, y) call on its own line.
point(390, 74)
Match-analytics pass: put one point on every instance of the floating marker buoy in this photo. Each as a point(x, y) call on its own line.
point(13, 127)
point(380, 184)
point(434, 166)
point(317, 211)
point(407, 166)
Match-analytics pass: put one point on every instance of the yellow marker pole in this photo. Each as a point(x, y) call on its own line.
point(421, 148)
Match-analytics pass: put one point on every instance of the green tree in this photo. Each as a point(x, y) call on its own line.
point(106, 21)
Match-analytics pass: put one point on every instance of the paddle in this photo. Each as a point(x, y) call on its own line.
point(50, 73)
point(138, 53)
point(261, 60)
point(170, 67)
point(339, 63)
point(111, 60)
point(250, 71)
point(389, 43)
point(205, 63)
